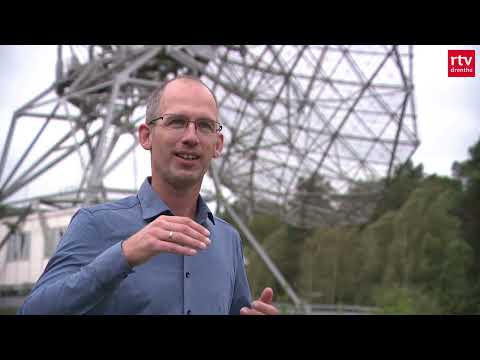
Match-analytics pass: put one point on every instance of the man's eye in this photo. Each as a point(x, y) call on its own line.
point(176, 122)
point(206, 125)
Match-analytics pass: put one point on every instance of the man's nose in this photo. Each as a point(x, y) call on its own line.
point(190, 135)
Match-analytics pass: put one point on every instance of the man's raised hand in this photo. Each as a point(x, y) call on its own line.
point(173, 234)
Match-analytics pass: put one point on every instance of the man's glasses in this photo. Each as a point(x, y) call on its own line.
point(180, 123)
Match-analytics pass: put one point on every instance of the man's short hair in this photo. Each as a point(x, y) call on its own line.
point(154, 99)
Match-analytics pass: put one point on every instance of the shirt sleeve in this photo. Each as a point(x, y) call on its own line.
point(241, 294)
point(80, 273)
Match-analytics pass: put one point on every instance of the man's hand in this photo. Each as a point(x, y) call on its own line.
point(262, 306)
point(173, 234)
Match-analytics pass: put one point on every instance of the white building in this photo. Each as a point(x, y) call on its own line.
point(27, 250)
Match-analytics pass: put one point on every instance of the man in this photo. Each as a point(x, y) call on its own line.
point(161, 251)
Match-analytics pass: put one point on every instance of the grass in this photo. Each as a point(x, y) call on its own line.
point(8, 311)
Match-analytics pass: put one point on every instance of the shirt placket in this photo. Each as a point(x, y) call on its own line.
point(187, 286)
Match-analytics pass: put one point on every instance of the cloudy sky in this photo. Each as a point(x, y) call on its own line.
point(448, 110)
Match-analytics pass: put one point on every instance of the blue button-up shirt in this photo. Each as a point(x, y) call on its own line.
point(89, 274)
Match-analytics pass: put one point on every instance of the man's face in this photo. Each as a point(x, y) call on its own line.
point(182, 157)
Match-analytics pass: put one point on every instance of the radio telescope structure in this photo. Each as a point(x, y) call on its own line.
point(308, 130)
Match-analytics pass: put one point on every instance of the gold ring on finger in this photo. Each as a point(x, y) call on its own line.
point(170, 236)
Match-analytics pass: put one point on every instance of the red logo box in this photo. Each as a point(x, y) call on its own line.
point(461, 63)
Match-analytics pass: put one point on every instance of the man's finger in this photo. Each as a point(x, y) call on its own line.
point(186, 221)
point(165, 246)
point(267, 296)
point(264, 308)
point(163, 236)
point(187, 231)
point(247, 311)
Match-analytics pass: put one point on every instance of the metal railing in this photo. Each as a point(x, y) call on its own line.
point(326, 309)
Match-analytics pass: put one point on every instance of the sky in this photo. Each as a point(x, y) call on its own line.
point(448, 110)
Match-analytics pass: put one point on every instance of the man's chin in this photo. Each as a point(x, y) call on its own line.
point(184, 179)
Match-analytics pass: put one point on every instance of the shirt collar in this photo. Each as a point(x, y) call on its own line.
point(203, 212)
point(153, 206)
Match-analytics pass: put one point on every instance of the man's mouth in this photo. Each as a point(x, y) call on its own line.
point(186, 156)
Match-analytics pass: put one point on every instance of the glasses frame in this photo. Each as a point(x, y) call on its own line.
point(218, 130)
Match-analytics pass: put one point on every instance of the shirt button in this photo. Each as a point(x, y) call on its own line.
point(187, 274)
point(189, 312)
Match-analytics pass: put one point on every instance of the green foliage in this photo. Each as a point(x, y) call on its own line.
point(8, 311)
point(258, 273)
point(469, 205)
point(284, 246)
point(312, 195)
point(418, 254)
point(405, 179)
point(327, 266)
point(418, 248)
point(262, 225)
point(404, 301)
point(7, 210)
point(410, 260)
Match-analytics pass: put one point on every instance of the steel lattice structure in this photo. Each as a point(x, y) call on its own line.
point(330, 116)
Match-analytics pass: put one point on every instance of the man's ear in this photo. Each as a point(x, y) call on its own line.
point(218, 146)
point(144, 132)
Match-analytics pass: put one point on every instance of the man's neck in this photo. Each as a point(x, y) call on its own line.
point(182, 202)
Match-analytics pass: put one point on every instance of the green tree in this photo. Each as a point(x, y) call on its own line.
point(359, 203)
point(311, 203)
point(283, 244)
point(427, 254)
point(397, 300)
point(405, 179)
point(468, 172)
point(327, 266)
point(468, 210)
point(410, 260)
